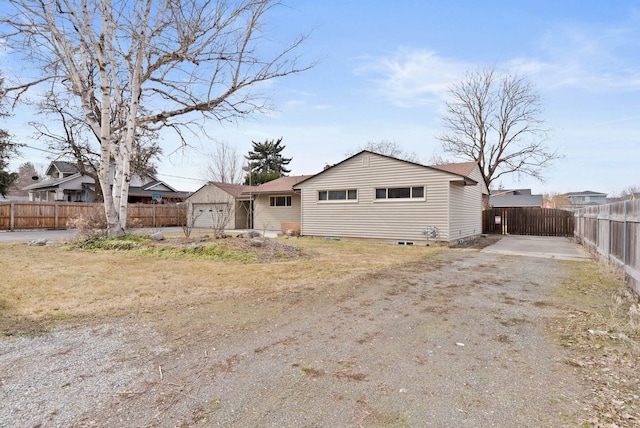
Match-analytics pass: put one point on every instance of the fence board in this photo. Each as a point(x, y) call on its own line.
point(528, 221)
point(612, 231)
point(56, 215)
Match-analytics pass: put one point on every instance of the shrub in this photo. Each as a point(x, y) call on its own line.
point(90, 223)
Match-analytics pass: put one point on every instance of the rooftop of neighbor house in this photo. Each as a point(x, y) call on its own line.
point(586, 193)
point(506, 201)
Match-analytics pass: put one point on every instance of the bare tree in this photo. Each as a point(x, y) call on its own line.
point(146, 64)
point(225, 165)
point(630, 192)
point(8, 148)
point(388, 148)
point(556, 200)
point(68, 137)
point(495, 119)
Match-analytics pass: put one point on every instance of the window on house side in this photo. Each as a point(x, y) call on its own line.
point(338, 195)
point(416, 192)
point(280, 201)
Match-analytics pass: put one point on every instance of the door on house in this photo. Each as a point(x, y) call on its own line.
point(209, 216)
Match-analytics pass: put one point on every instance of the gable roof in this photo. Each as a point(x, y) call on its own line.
point(237, 191)
point(279, 185)
point(54, 182)
point(64, 167)
point(157, 183)
point(585, 193)
point(463, 168)
point(460, 169)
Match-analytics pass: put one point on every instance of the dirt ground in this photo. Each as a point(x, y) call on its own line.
point(460, 339)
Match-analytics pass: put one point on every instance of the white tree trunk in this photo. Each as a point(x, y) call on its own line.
point(180, 59)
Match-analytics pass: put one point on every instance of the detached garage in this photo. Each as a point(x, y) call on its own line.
point(219, 206)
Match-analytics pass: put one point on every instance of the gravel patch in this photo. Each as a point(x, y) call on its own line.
point(458, 339)
point(52, 380)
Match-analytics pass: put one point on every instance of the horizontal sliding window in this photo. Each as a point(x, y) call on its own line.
point(400, 192)
point(338, 195)
point(280, 201)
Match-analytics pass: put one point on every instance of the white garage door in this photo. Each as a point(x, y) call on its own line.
point(209, 216)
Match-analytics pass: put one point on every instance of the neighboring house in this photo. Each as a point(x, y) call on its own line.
point(154, 191)
point(64, 182)
point(220, 206)
point(586, 198)
point(276, 206)
point(514, 199)
point(374, 196)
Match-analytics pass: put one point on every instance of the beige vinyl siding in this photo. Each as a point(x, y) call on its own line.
point(368, 218)
point(266, 217)
point(466, 211)
point(466, 208)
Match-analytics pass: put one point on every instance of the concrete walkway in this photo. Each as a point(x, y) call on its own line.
point(550, 247)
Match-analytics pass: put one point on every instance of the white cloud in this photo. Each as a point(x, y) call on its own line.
point(595, 58)
point(412, 78)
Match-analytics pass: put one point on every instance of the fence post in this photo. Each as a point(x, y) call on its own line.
point(625, 244)
point(609, 223)
point(12, 216)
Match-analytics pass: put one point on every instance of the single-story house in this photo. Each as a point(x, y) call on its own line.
point(369, 195)
point(276, 205)
point(220, 206)
point(65, 182)
point(514, 199)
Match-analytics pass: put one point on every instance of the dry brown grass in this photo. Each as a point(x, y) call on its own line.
point(601, 333)
point(45, 286)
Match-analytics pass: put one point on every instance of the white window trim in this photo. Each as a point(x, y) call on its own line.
point(338, 201)
point(392, 200)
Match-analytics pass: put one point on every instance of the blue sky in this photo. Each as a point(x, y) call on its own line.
point(385, 66)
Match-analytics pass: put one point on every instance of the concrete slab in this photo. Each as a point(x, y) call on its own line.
point(550, 247)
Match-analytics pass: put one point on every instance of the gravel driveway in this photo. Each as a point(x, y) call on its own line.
point(458, 339)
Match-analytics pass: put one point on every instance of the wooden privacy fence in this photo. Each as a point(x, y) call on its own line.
point(613, 232)
point(528, 221)
point(56, 215)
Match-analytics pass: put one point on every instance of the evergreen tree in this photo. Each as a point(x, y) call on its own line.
point(266, 162)
point(27, 175)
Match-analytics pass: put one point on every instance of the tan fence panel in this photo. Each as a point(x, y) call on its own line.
point(612, 232)
point(56, 215)
point(34, 216)
point(5, 216)
point(151, 215)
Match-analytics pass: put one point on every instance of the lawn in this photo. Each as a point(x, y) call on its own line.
point(46, 286)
